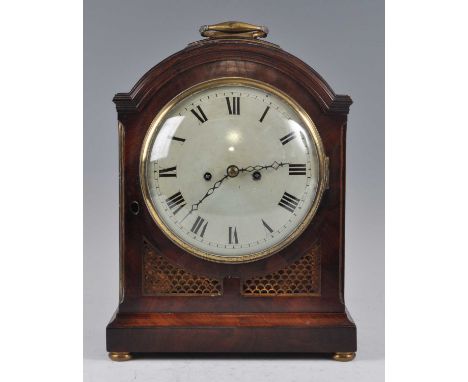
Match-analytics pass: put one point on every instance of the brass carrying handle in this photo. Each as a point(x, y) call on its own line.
point(233, 29)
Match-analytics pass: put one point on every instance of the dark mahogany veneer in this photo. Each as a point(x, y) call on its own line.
point(231, 322)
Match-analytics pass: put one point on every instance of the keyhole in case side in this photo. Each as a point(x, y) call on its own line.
point(134, 207)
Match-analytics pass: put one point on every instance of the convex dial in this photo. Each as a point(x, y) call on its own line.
point(232, 172)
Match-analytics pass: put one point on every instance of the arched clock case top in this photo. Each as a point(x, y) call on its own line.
point(208, 60)
point(205, 60)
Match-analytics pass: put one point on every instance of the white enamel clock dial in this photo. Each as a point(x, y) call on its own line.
point(232, 171)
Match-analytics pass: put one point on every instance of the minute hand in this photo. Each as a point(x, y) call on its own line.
point(275, 165)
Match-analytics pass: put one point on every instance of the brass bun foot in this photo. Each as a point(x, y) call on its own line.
point(120, 356)
point(344, 356)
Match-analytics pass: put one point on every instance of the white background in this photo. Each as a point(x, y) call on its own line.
point(41, 167)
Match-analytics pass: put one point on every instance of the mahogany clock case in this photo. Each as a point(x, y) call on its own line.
point(225, 319)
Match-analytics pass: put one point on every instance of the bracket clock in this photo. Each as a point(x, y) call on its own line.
point(232, 196)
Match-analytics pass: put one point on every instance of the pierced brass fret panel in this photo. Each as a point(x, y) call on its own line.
point(301, 278)
point(162, 278)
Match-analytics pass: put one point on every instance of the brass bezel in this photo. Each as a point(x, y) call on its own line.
point(234, 81)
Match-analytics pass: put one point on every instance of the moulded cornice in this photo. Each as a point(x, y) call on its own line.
point(210, 51)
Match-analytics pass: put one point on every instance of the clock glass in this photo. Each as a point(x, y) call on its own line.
point(232, 170)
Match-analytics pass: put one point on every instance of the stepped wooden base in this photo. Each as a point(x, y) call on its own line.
point(233, 333)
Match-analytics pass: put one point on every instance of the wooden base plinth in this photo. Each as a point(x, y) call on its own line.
point(233, 333)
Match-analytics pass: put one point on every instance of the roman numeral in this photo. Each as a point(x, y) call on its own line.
point(288, 138)
point(233, 235)
point(178, 139)
point(169, 172)
point(235, 108)
point(297, 169)
point(197, 225)
point(267, 226)
point(289, 202)
point(202, 118)
point(264, 113)
point(176, 202)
